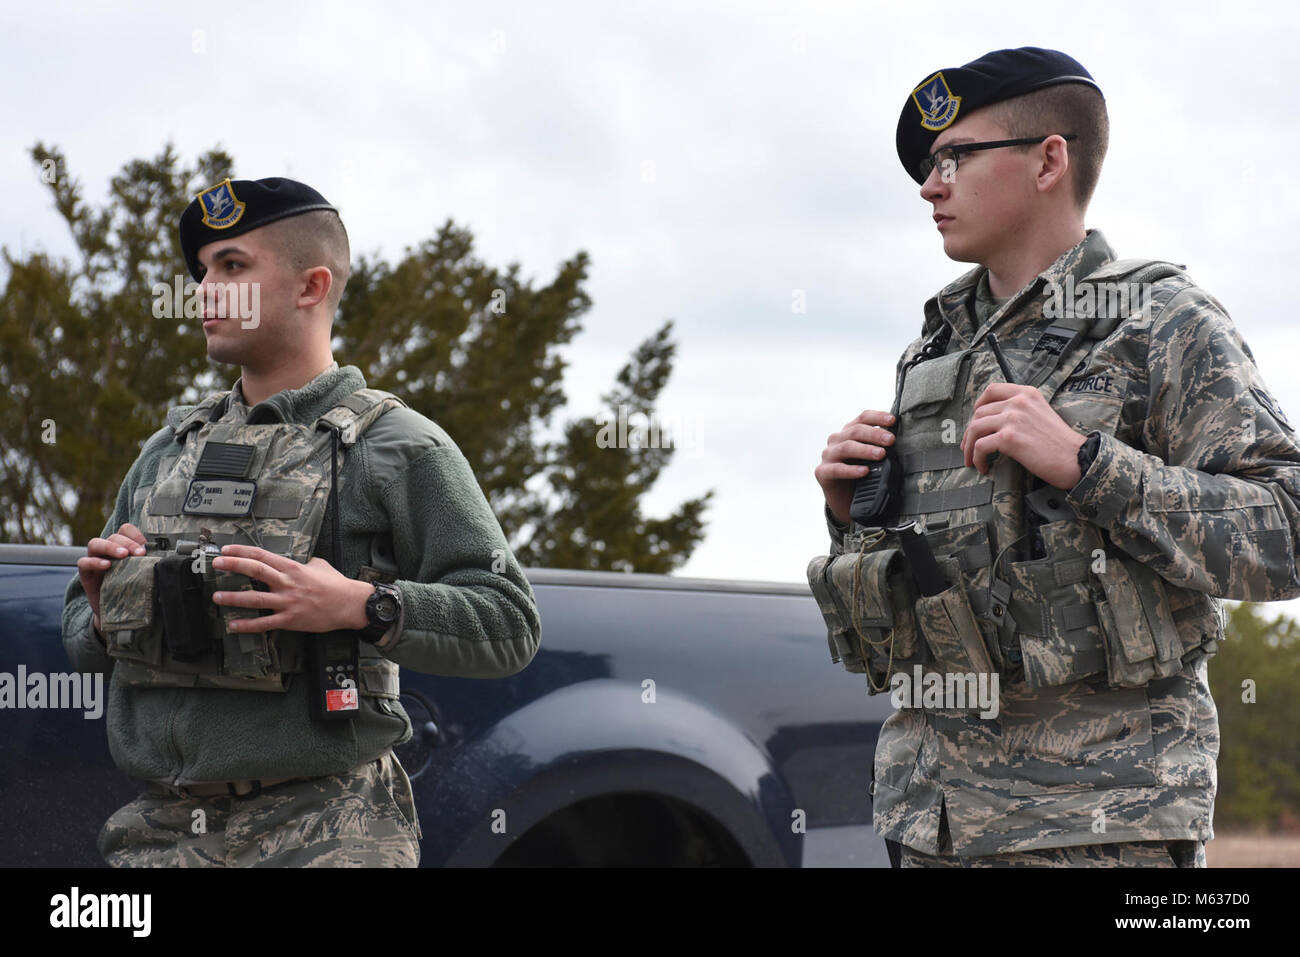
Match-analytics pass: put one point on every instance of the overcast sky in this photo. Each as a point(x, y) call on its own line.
point(716, 160)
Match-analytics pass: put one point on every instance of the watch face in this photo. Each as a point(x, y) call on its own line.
point(386, 608)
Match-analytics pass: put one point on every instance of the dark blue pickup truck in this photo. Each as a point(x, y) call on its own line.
point(664, 721)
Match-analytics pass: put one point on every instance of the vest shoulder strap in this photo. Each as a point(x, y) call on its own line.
point(1128, 281)
point(1116, 291)
point(351, 417)
point(1126, 294)
point(186, 417)
point(1136, 270)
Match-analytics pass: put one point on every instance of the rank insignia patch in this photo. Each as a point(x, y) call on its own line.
point(937, 104)
point(1274, 409)
point(221, 208)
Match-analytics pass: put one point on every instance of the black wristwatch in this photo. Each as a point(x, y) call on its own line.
point(1088, 452)
point(383, 607)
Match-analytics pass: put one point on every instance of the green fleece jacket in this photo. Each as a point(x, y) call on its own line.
point(467, 609)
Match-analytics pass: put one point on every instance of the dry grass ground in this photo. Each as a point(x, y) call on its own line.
point(1253, 850)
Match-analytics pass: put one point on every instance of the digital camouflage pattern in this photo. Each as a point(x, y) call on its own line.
point(363, 818)
point(1123, 854)
point(1106, 730)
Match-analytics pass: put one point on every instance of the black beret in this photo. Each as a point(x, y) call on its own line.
point(942, 97)
point(232, 208)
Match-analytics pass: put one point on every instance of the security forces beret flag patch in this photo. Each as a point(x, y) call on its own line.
point(232, 208)
point(937, 104)
point(221, 209)
point(946, 94)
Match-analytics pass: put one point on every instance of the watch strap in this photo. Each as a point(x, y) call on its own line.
point(1088, 452)
point(376, 628)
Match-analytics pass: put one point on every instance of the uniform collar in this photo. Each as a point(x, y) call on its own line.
point(305, 404)
point(954, 302)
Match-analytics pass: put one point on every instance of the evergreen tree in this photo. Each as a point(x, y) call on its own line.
point(88, 372)
point(1255, 680)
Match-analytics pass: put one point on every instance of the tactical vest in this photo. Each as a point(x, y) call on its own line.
point(1036, 593)
point(232, 483)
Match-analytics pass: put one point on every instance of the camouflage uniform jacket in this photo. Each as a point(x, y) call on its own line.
point(1197, 477)
point(467, 608)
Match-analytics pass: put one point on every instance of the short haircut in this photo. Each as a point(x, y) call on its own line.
point(314, 239)
point(1063, 108)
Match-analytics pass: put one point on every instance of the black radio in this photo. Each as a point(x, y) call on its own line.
point(876, 496)
point(335, 667)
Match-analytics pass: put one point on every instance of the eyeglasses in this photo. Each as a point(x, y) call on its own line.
point(953, 152)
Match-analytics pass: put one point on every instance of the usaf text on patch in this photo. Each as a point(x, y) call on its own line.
point(225, 497)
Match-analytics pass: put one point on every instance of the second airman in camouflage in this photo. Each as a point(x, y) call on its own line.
point(1089, 495)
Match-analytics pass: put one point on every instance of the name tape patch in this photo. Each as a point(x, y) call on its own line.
point(1102, 383)
point(224, 497)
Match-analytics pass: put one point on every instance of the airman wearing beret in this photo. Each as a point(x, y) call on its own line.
point(1080, 461)
point(276, 552)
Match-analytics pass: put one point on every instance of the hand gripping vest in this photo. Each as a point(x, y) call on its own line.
point(231, 483)
point(1036, 593)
